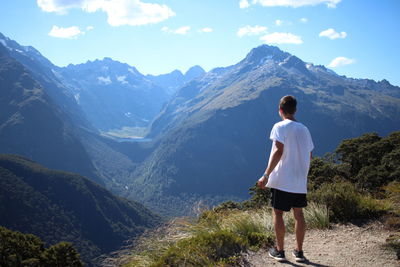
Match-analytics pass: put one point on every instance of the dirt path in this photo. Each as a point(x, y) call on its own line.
point(344, 245)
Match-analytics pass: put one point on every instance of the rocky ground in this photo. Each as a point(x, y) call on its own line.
point(343, 245)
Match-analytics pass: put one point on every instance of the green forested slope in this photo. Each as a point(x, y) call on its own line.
point(60, 206)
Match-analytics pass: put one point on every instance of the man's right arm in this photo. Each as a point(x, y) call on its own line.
point(275, 158)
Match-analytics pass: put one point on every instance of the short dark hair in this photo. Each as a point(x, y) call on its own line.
point(288, 104)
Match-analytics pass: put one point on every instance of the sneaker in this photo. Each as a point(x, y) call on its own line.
point(277, 255)
point(299, 257)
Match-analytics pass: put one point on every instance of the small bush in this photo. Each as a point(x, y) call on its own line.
point(345, 203)
point(259, 198)
point(228, 205)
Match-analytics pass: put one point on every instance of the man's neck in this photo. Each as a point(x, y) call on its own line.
point(288, 117)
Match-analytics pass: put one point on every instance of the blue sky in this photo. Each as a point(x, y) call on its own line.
point(356, 38)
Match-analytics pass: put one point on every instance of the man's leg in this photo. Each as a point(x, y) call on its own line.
point(279, 226)
point(300, 227)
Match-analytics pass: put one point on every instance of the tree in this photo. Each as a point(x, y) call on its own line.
point(18, 249)
point(61, 255)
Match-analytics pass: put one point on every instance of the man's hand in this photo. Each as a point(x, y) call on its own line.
point(262, 182)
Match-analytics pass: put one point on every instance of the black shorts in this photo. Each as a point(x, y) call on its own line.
point(282, 200)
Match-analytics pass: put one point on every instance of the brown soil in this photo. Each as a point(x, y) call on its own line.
point(343, 245)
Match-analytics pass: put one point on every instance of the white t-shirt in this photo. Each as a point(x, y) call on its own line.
point(290, 174)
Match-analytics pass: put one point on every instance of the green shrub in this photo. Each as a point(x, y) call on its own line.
point(345, 203)
point(62, 254)
point(203, 250)
point(228, 205)
point(259, 198)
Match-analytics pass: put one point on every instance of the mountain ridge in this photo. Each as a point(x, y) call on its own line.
point(215, 130)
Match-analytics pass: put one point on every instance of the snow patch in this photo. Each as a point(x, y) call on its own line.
point(4, 43)
point(77, 97)
point(104, 80)
point(122, 79)
point(132, 71)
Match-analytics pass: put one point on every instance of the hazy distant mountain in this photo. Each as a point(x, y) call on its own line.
point(34, 125)
point(60, 206)
point(176, 79)
point(213, 136)
point(113, 94)
point(41, 119)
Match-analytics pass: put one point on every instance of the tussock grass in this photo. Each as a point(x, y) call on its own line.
point(216, 238)
point(316, 216)
point(392, 202)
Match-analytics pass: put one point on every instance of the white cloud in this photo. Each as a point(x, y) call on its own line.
point(206, 29)
point(296, 3)
point(244, 4)
point(281, 38)
point(68, 33)
point(278, 22)
point(341, 61)
point(332, 34)
point(89, 28)
point(119, 12)
point(251, 30)
point(182, 30)
point(58, 6)
point(304, 20)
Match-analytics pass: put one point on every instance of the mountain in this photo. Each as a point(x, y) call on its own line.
point(32, 124)
point(41, 119)
point(112, 94)
point(212, 138)
point(44, 72)
point(60, 206)
point(176, 79)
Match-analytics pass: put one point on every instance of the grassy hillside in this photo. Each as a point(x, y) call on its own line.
point(60, 206)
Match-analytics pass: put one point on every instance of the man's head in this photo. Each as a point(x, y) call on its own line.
point(287, 105)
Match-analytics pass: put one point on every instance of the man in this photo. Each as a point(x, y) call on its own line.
point(286, 175)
